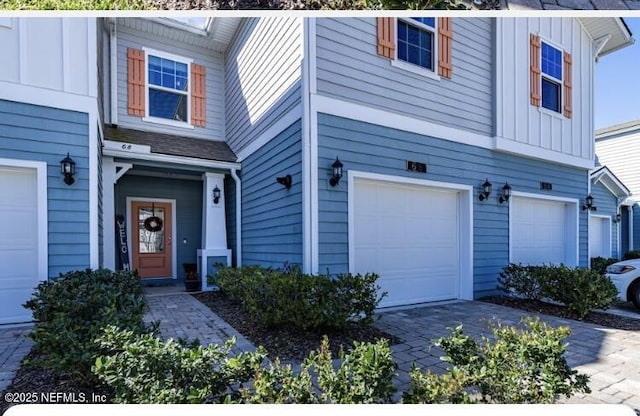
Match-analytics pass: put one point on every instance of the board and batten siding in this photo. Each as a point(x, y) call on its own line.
point(371, 148)
point(262, 76)
point(37, 133)
point(349, 68)
point(272, 214)
point(52, 53)
point(517, 119)
point(621, 154)
point(607, 204)
point(214, 83)
point(188, 196)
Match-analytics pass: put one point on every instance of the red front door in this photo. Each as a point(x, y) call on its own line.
point(151, 238)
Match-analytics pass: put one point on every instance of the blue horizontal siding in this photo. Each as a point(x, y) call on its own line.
point(37, 133)
point(636, 227)
point(607, 204)
point(188, 196)
point(271, 214)
point(372, 148)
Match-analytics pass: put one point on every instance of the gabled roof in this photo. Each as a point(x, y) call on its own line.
point(610, 181)
point(623, 128)
point(173, 145)
point(609, 33)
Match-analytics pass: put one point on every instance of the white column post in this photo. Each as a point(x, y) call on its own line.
point(108, 212)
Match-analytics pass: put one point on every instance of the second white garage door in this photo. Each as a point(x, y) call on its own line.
point(409, 235)
point(542, 231)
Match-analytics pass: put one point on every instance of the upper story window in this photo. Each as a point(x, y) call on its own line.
point(416, 43)
point(550, 75)
point(168, 88)
point(422, 45)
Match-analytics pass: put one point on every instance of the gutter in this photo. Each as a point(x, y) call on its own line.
point(236, 178)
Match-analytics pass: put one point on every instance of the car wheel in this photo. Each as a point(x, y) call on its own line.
point(634, 293)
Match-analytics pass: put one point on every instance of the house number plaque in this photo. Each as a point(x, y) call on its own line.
point(416, 167)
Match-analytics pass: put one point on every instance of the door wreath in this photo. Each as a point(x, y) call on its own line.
point(153, 223)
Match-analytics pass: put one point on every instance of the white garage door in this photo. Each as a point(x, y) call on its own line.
point(541, 232)
point(409, 235)
point(18, 242)
point(599, 237)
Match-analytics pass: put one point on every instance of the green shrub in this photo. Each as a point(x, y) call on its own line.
point(630, 255)
point(144, 369)
point(599, 264)
point(520, 366)
point(525, 281)
point(580, 290)
point(71, 311)
point(275, 298)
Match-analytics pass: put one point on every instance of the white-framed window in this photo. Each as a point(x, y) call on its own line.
point(551, 77)
point(417, 41)
point(167, 88)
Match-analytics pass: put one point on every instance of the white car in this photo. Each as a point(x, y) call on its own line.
point(625, 275)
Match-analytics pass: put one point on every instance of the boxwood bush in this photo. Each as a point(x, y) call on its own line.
point(289, 297)
point(71, 311)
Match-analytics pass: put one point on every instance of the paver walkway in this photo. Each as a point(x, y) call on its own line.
point(14, 345)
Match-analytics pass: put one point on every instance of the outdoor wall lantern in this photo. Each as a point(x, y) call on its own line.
point(216, 195)
point(617, 218)
point(486, 190)
point(337, 172)
point(588, 204)
point(68, 169)
point(506, 193)
point(285, 180)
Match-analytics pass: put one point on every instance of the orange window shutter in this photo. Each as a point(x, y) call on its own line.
point(534, 73)
point(386, 37)
point(445, 40)
point(135, 82)
point(567, 84)
point(198, 102)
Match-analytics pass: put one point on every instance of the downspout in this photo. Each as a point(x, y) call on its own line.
point(113, 71)
point(236, 178)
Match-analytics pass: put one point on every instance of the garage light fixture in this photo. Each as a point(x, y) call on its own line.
point(337, 172)
point(506, 193)
point(588, 204)
point(617, 218)
point(216, 195)
point(285, 180)
point(486, 190)
point(68, 169)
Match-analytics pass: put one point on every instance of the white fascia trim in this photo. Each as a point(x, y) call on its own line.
point(92, 53)
point(340, 108)
point(113, 71)
point(94, 240)
point(311, 55)
point(527, 150)
point(174, 246)
point(179, 160)
point(573, 201)
point(276, 128)
point(42, 208)
point(307, 207)
point(465, 210)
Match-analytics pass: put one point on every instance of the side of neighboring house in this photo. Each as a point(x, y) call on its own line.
point(618, 148)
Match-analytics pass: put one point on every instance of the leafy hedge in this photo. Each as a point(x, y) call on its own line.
point(520, 366)
point(289, 297)
point(71, 311)
point(599, 264)
point(581, 290)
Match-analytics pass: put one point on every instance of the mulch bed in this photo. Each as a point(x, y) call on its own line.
point(286, 342)
point(598, 318)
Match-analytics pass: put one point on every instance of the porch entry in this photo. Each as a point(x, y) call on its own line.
point(151, 237)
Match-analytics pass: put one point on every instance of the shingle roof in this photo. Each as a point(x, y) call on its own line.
point(629, 125)
point(169, 144)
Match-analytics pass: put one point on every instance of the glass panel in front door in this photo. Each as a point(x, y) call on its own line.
point(151, 229)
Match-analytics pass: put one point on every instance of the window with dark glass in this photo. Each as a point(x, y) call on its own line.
point(416, 41)
point(551, 68)
point(168, 88)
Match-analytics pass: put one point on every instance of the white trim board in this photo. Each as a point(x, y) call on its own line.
point(465, 213)
point(174, 244)
point(43, 213)
point(570, 213)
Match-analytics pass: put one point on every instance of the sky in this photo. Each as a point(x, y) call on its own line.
point(617, 83)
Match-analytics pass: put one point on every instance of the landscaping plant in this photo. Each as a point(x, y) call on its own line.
point(71, 311)
point(519, 366)
point(630, 255)
point(599, 264)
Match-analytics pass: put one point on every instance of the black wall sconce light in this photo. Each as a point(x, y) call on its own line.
point(216, 195)
point(617, 218)
point(486, 190)
point(506, 193)
point(337, 172)
point(588, 204)
point(68, 169)
point(285, 180)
